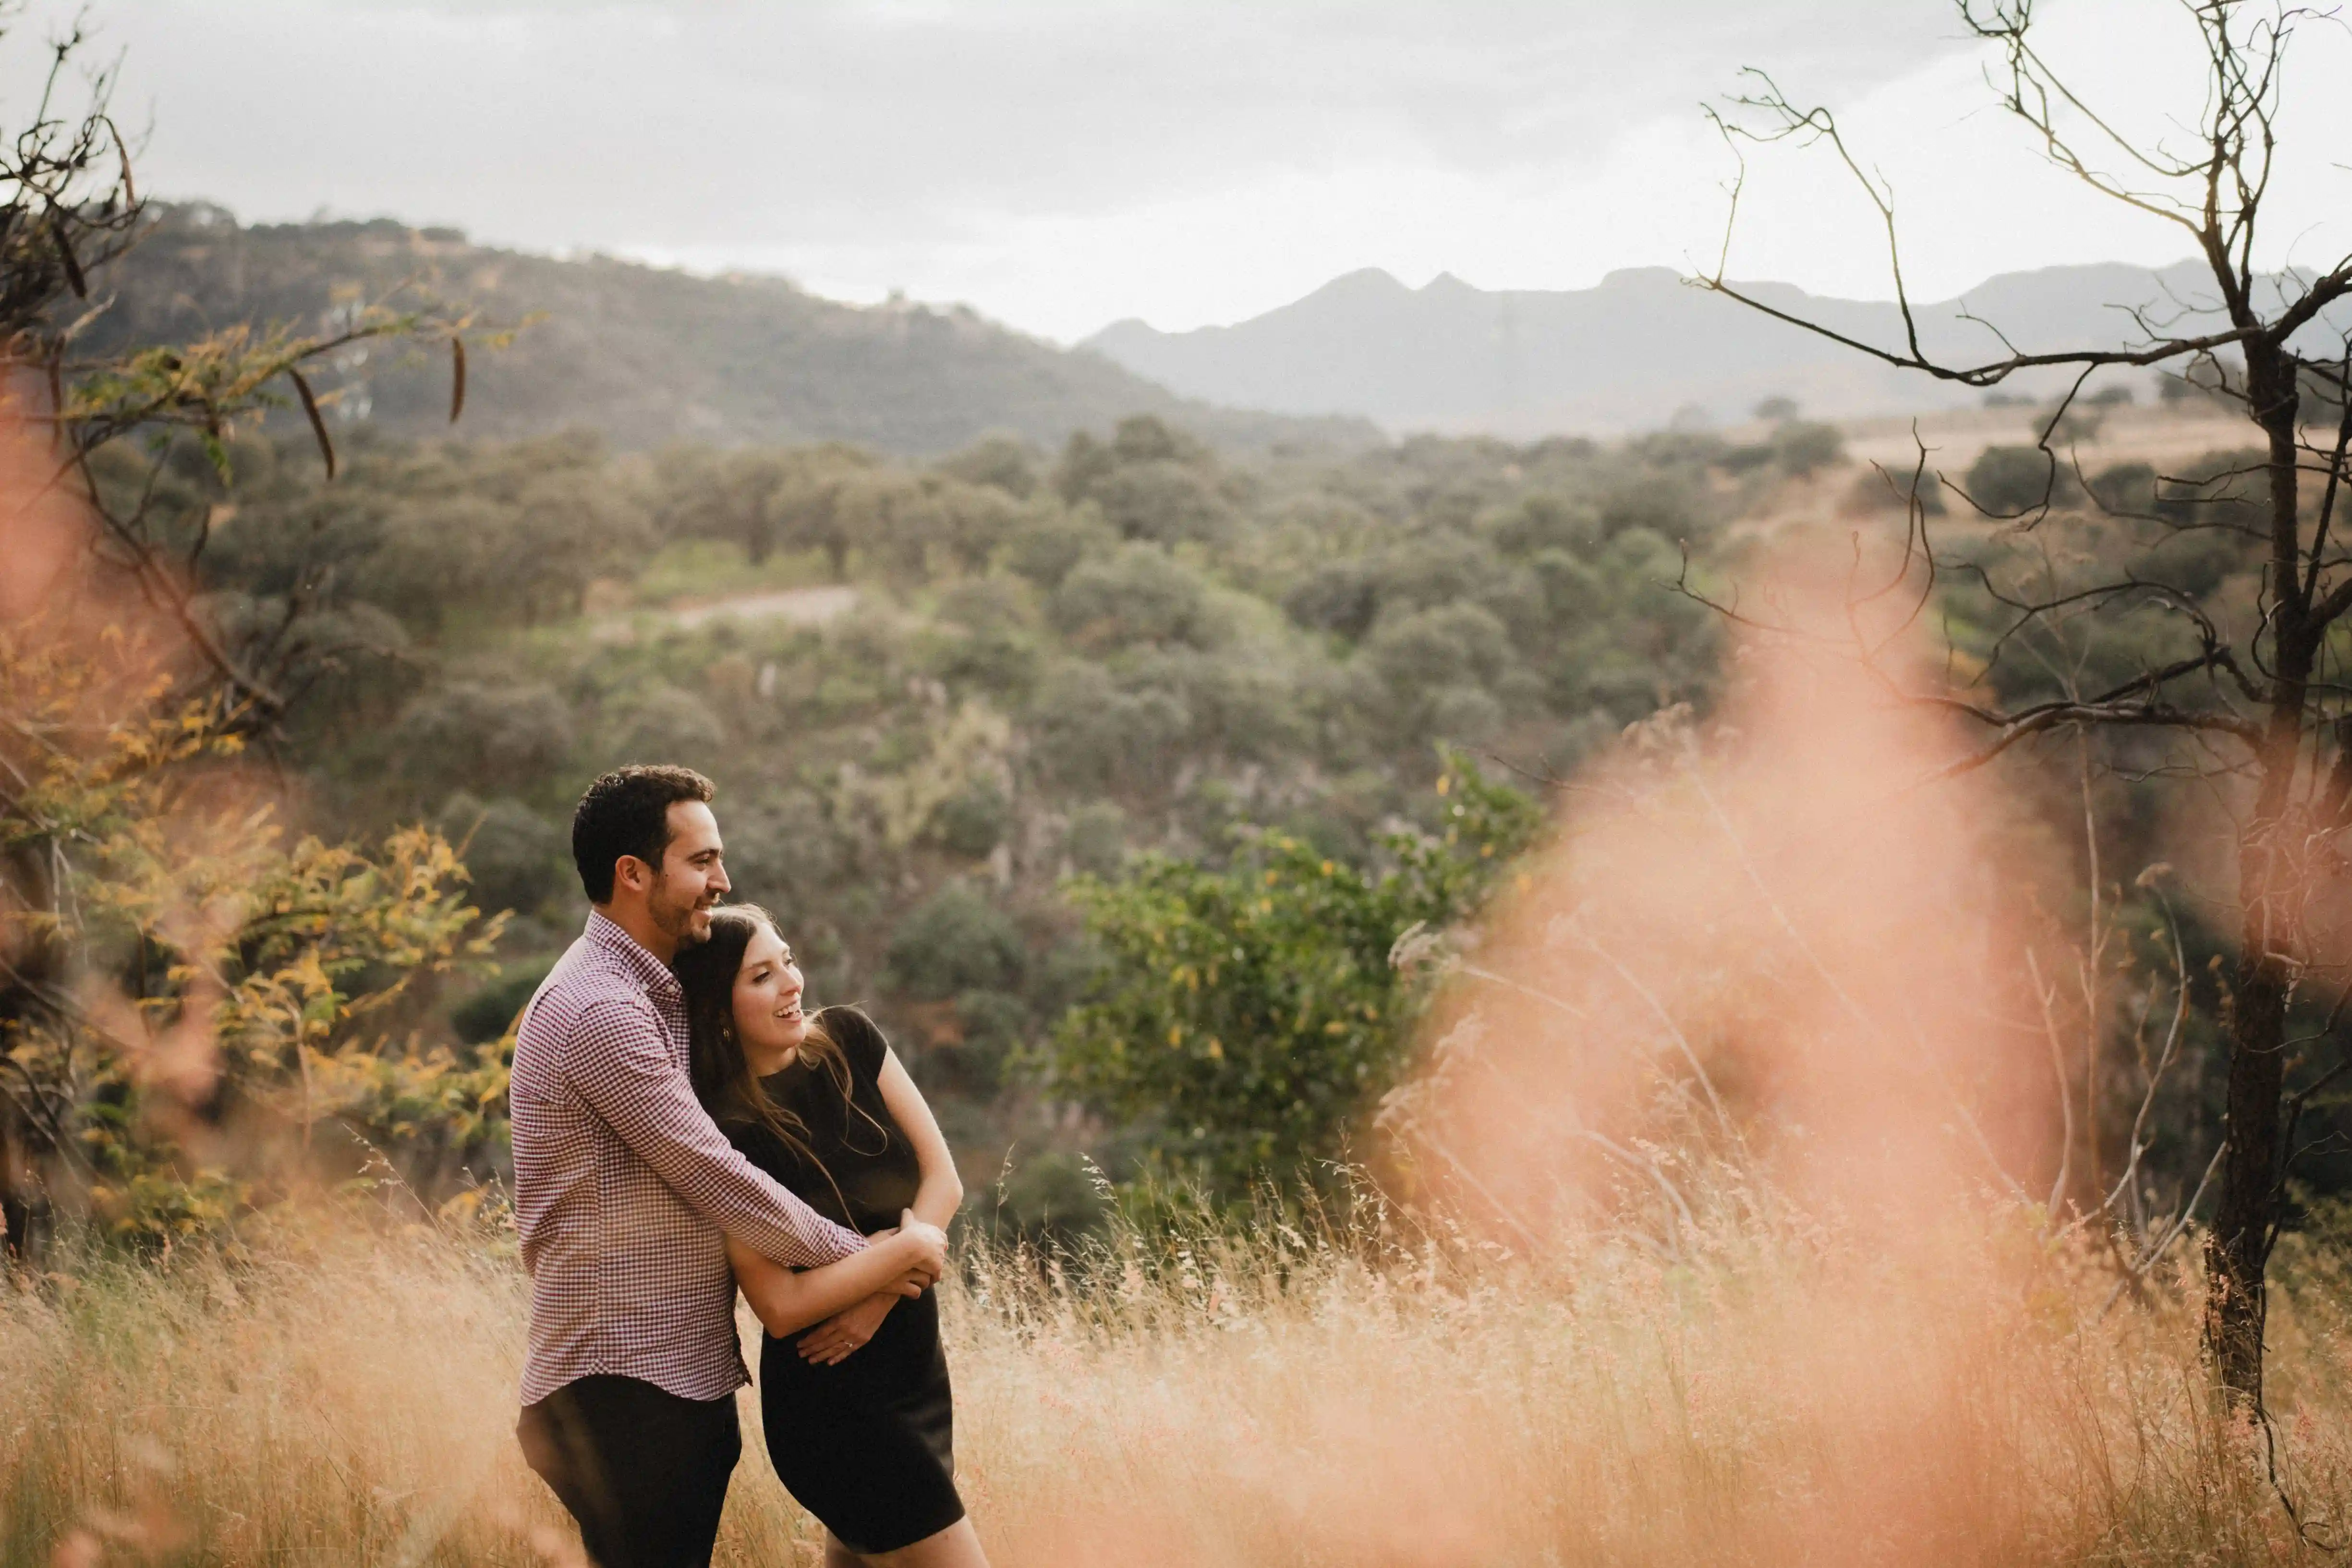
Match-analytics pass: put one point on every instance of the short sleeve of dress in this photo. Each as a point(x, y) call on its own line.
point(860, 1039)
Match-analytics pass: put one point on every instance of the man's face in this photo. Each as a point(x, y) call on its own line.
point(693, 875)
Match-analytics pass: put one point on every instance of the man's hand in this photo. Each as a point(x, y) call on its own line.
point(831, 1341)
point(930, 1242)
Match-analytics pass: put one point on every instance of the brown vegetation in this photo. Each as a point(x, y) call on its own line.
point(344, 1397)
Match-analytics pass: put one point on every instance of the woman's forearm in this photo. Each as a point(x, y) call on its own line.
point(939, 1195)
point(939, 1190)
point(786, 1302)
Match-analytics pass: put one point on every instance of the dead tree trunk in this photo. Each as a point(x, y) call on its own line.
point(2237, 1248)
point(2271, 882)
point(2259, 692)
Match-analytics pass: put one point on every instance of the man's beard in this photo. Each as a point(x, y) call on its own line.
point(676, 921)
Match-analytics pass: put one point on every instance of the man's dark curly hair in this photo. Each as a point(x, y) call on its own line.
point(626, 812)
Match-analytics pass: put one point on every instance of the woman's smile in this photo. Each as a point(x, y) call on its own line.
point(769, 1018)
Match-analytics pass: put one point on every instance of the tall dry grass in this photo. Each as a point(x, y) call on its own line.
point(1777, 1395)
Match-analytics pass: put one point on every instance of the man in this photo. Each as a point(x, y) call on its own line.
point(625, 1192)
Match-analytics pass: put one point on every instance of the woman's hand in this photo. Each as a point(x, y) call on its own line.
point(907, 1262)
point(831, 1341)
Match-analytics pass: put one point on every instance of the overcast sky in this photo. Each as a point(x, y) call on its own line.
point(1060, 166)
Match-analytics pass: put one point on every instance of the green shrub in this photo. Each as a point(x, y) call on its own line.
point(2007, 480)
point(1244, 1016)
point(1800, 447)
point(955, 941)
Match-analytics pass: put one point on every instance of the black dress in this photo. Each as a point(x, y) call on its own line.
point(867, 1444)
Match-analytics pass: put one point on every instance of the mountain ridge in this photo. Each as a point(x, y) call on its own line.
point(648, 356)
point(1639, 349)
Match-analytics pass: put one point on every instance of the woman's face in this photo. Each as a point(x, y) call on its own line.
point(768, 1017)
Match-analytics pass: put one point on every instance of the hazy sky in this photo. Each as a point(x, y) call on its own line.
point(1063, 164)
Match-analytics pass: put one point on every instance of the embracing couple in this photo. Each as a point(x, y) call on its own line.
point(682, 1129)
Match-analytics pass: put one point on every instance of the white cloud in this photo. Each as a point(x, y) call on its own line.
point(1061, 164)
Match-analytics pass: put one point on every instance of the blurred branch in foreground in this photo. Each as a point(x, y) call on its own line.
point(179, 984)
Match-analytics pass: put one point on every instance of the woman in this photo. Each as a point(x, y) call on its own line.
point(857, 1409)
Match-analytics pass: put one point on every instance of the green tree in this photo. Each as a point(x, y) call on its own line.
point(505, 736)
point(1141, 594)
point(2009, 481)
point(520, 860)
point(1247, 1015)
point(1004, 462)
point(954, 941)
point(1149, 481)
point(737, 496)
point(810, 505)
point(1800, 447)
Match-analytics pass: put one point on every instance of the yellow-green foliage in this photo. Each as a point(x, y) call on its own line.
point(195, 983)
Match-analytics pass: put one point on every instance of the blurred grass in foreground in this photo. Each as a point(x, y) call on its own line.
point(1778, 1394)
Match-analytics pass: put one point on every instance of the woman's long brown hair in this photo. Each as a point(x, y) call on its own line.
point(722, 1075)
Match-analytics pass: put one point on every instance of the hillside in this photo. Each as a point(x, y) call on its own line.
point(1633, 352)
point(646, 356)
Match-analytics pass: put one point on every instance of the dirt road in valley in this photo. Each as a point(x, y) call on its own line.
point(800, 607)
point(2158, 436)
point(795, 606)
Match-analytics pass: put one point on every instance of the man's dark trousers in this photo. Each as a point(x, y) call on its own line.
point(643, 1471)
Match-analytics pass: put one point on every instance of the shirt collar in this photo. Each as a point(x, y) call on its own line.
point(656, 975)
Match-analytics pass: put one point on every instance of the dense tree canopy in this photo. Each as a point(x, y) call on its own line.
point(1031, 665)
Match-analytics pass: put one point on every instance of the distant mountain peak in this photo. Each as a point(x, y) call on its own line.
point(1632, 352)
point(1640, 278)
point(1365, 282)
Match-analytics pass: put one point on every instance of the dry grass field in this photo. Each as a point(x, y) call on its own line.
point(1781, 1396)
point(2169, 439)
point(2133, 433)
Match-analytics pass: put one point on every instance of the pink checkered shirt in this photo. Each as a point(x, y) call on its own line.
point(625, 1190)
